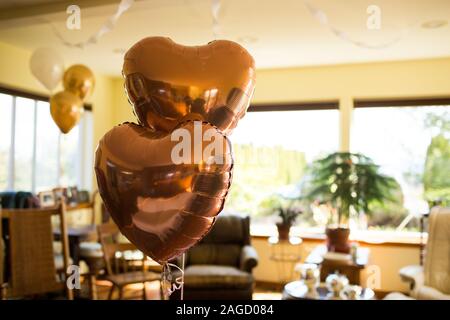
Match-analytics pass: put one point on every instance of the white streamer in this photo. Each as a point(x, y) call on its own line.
point(108, 26)
point(322, 17)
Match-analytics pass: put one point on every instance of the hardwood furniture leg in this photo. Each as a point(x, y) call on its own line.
point(144, 295)
point(120, 293)
point(93, 286)
point(111, 291)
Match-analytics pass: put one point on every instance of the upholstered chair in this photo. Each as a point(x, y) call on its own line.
point(432, 281)
point(220, 266)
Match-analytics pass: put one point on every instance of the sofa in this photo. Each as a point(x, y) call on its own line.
point(220, 266)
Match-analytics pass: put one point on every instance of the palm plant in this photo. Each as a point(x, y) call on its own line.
point(350, 180)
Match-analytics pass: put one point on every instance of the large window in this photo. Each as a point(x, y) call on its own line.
point(411, 144)
point(34, 155)
point(271, 151)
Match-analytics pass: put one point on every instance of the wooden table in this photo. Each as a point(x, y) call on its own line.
point(76, 236)
point(297, 290)
point(352, 269)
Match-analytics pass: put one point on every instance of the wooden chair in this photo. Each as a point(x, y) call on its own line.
point(108, 234)
point(31, 256)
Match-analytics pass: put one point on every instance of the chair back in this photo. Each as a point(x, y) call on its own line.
point(31, 256)
point(437, 257)
point(223, 244)
point(108, 235)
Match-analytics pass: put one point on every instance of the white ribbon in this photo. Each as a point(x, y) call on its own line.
point(170, 285)
point(108, 26)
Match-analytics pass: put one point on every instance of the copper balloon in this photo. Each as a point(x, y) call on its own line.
point(162, 207)
point(79, 80)
point(167, 83)
point(66, 110)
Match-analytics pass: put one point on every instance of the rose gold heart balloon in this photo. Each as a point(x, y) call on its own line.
point(164, 190)
point(167, 83)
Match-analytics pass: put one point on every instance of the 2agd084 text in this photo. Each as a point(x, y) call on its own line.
point(246, 309)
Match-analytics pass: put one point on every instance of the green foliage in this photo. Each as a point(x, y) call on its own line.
point(350, 181)
point(259, 172)
point(436, 177)
point(288, 214)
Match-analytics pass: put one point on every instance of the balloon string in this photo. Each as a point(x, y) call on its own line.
point(169, 284)
point(182, 275)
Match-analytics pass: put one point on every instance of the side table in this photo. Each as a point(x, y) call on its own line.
point(286, 254)
point(350, 268)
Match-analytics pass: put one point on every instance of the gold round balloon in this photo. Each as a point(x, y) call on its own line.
point(66, 109)
point(79, 80)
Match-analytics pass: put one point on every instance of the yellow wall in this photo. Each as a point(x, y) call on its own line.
point(123, 110)
point(15, 73)
point(407, 79)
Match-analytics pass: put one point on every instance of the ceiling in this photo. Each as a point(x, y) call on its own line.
point(281, 33)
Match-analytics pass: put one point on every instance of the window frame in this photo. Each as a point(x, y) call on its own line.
point(443, 101)
point(35, 97)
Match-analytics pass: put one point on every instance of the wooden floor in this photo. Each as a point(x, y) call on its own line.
point(134, 292)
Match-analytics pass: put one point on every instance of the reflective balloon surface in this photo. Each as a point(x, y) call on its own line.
point(164, 194)
point(47, 66)
point(168, 83)
point(66, 110)
point(79, 80)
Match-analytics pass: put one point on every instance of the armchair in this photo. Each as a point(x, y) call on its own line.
point(220, 266)
point(432, 281)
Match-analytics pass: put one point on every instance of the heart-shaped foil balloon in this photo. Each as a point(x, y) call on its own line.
point(167, 83)
point(164, 190)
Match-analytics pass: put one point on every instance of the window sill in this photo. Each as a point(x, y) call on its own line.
point(365, 237)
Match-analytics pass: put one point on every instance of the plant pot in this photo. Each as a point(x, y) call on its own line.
point(337, 240)
point(283, 231)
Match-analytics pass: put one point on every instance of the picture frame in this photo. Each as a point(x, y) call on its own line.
point(47, 199)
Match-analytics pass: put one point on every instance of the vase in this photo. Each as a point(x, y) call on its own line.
point(337, 240)
point(283, 231)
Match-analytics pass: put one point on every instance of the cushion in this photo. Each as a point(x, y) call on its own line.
point(437, 258)
point(229, 228)
point(219, 254)
point(213, 276)
point(91, 250)
point(59, 262)
point(397, 296)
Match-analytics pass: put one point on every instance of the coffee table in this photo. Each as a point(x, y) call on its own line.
point(297, 290)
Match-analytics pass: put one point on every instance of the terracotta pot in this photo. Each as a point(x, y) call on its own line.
point(283, 231)
point(337, 239)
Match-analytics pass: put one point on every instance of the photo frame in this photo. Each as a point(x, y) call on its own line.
point(47, 199)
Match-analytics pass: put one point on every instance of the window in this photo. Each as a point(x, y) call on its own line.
point(411, 144)
point(34, 155)
point(271, 152)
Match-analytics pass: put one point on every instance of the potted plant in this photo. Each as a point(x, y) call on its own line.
point(350, 182)
point(287, 215)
